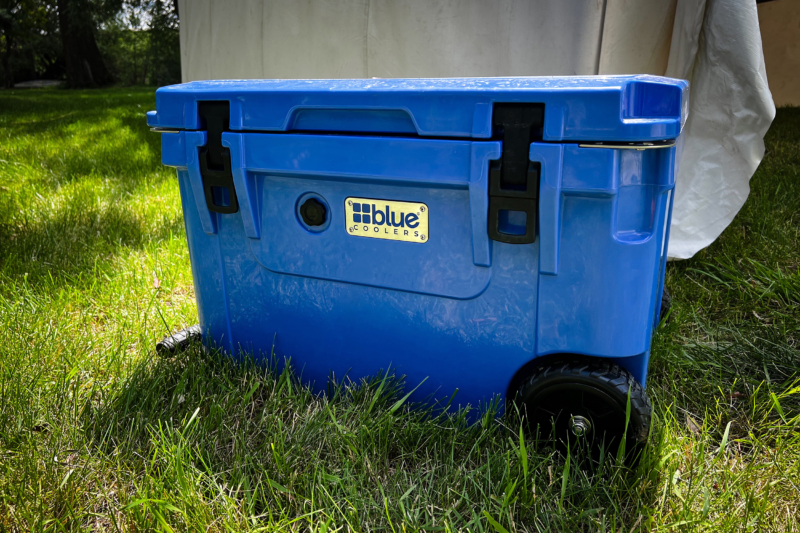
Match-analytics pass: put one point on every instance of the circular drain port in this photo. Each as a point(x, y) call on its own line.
point(313, 212)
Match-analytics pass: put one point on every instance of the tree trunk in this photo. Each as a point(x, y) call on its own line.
point(85, 65)
point(9, 75)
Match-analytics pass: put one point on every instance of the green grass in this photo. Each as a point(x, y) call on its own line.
point(97, 433)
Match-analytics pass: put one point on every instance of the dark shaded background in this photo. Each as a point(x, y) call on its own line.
point(89, 43)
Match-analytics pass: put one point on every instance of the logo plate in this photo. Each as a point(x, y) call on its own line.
point(384, 219)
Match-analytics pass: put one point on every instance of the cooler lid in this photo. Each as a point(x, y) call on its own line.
point(585, 108)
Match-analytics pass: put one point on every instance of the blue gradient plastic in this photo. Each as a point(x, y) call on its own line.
point(459, 312)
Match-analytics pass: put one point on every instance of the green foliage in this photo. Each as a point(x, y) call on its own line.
point(140, 43)
point(139, 40)
point(29, 45)
point(164, 44)
point(97, 433)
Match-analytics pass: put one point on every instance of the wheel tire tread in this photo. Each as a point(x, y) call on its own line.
point(610, 374)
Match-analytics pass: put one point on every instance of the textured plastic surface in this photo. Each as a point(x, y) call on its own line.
point(461, 310)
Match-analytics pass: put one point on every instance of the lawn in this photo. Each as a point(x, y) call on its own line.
point(99, 433)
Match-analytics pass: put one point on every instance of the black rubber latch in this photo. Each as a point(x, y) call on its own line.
point(519, 125)
point(514, 179)
point(528, 189)
point(215, 159)
point(497, 204)
point(313, 212)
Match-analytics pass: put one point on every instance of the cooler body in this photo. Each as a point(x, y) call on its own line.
point(450, 231)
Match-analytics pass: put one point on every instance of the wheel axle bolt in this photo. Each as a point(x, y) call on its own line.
point(579, 426)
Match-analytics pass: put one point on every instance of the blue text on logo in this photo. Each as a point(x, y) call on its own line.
point(369, 214)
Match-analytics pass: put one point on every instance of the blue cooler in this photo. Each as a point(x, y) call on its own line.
point(499, 237)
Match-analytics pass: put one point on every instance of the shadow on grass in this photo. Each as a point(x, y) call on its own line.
point(70, 243)
point(260, 436)
point(737, 303)
point(114, 144)
point(79, 186)
point(717, 374)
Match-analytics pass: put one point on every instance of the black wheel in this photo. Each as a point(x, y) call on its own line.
point(582, 401)
point(666, 304)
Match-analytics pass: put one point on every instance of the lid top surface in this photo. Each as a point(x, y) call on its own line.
point(576, 108)
point(420, 84)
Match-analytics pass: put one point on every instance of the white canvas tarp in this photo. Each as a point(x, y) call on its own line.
point(714, 43)
point(731, 110)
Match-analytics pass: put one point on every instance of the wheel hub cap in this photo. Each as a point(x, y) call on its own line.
point(579, 425)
